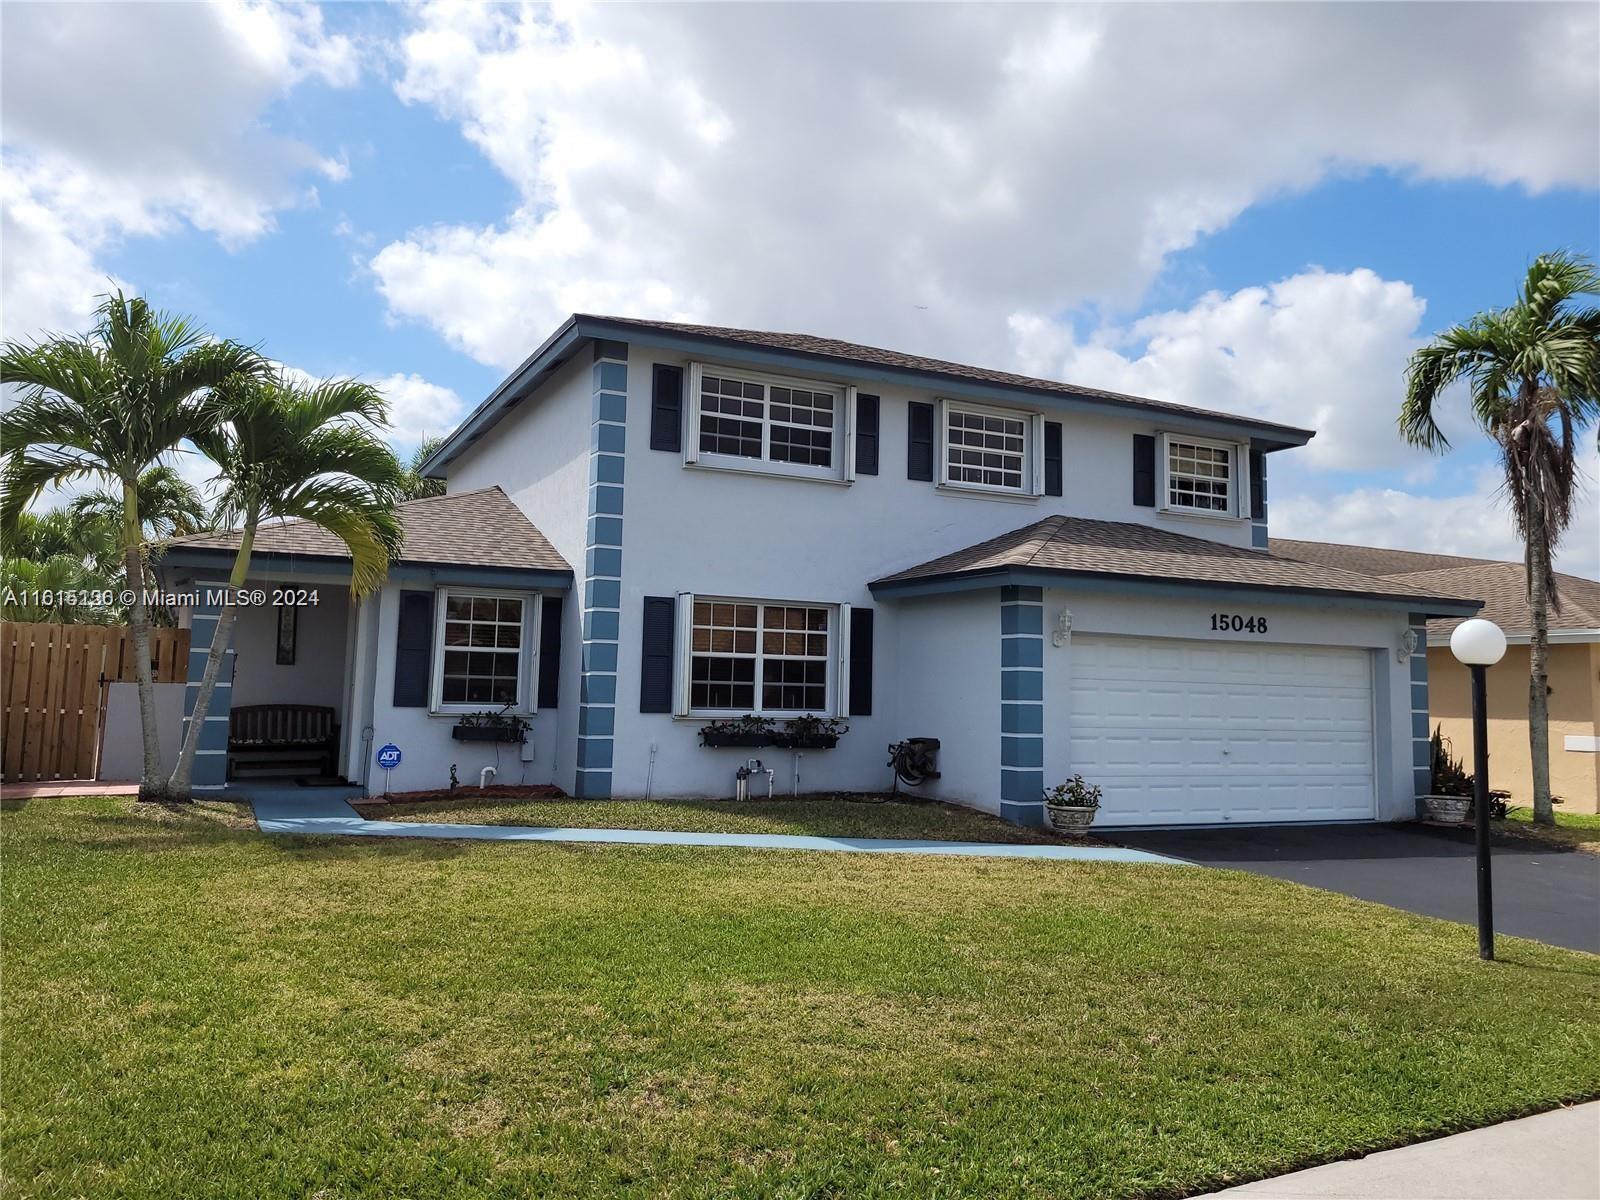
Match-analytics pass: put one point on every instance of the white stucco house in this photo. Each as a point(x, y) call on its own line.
point(650, 526)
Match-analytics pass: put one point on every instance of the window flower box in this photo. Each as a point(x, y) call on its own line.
point(728, 737)
point(491, 727)
point(751, 731)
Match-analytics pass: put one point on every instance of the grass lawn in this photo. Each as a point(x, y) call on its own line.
point(1579, 831)
point(823, 816)
point(192, 1009)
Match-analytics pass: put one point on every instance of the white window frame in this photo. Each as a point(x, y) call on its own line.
point(837, 661)
point(1238, 485)
point(844, 410)
point(1032, 448)
point(527, 702)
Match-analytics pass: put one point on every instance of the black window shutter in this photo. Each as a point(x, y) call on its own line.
point(1258, 485)
point(549, 693)
point(1144, 470)
point(919, 445)
point(413, 650)
point(860, 662)
point(866, 435)
point(1052, 458)
point(666, 408)
point(655, 668)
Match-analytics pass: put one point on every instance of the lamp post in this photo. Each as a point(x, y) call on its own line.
point(1480, 644)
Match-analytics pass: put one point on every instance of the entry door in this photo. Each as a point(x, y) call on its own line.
point(1195, 733)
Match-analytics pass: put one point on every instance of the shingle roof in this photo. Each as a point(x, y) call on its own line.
point(480, 528)
point(1500, 585)
point(1075, 545)
point(1369, 560)
point(823, 347)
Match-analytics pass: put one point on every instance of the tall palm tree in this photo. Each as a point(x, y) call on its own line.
point(1533, 382)
point(305, 451)
point(169, 505)
point(107, 405)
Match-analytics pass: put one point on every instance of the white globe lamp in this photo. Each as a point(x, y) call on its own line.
point(1478, 643)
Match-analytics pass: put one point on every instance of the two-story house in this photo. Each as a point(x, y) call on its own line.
point(651, 526)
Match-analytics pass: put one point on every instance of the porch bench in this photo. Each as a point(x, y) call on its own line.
point(283, 735)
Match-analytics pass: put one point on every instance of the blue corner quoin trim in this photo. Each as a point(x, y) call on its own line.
point(1421, 768)
point(602, 584)
point(1022, 705)
point(211, 761)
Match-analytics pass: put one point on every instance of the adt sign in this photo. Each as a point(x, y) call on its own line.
point(389, 756)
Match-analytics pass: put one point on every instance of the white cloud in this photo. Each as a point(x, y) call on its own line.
point(125, 120)
point(419, 409)
point(1319, 350)
point(921, 176)
point(1475, 522)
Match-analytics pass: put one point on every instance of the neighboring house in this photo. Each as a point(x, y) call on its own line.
point(1048, 579)
point(1574, 664)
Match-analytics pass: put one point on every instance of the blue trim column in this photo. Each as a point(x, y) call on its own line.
point(1421, 774)
point(602, 573)
point(1022, 705)
point(211, 757)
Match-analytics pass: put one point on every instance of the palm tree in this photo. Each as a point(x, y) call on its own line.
point(169, 505)
point(305, 451)
point(1533, 377)
point(107, 405)
point(416, 486)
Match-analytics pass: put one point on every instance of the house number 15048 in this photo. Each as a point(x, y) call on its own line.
point(1235, 623)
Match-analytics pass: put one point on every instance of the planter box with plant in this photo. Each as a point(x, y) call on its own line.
point(1072, 806)
point(1449, 798)
point(800, 733)
point(813, 733)
point(491, 727)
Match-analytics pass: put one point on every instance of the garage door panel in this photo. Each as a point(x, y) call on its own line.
point(1208, 733)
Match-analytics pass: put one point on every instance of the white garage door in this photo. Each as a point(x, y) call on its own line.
point(1193, 733)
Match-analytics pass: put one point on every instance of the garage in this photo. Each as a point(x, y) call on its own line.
point(1211, 732)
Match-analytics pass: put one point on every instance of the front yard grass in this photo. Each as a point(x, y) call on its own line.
point(1575, 831)
point(822, 816)
point(193, 1009)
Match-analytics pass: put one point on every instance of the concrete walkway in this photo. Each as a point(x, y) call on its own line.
point(1554, 1156)
point(306, 812)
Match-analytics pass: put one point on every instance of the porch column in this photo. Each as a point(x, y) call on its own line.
point(1022, 705)
point(211, 758)
point(1421, 768)
point(602, 582)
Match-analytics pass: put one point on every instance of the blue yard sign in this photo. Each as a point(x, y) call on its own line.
point(389, 756)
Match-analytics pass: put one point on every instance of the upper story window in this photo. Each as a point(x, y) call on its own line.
point(480, 656)
point(990, 449)
point(750, 656)
point(767, 423)
point(1201, 477)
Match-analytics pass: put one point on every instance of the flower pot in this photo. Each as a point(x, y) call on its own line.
point(1070, 819)
point(485, 733)
point(721, 738)
point(1446, 810)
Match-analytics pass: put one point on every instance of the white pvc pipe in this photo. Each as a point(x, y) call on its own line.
point(485, 775)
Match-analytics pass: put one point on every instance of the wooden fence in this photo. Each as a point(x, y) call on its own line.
point(55, 681)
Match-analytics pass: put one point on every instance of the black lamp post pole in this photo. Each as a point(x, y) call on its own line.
point(1480, 802)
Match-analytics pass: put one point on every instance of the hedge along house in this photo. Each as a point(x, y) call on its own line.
point(1046, 578)
point(466, 622)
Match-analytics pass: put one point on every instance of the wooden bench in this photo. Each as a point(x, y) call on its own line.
point(283, 736)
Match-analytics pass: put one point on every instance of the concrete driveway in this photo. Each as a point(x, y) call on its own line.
point(1541, 893)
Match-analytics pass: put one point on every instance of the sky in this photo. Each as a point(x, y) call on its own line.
point(1259, 208)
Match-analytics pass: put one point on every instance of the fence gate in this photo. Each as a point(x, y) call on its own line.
point(55, 681)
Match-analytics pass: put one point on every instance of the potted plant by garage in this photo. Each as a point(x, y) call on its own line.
point(748, 730)
point(1449, 798)
point(810, 732)
point(1072, 806)
point(491, 727)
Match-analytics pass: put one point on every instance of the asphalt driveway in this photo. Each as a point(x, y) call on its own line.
point(1546, 894)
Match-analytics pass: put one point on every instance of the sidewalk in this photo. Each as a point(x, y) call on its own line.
point(1553, 1156)
point(296, 812)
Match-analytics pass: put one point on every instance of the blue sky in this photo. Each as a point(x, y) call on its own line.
point(1205, 203)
